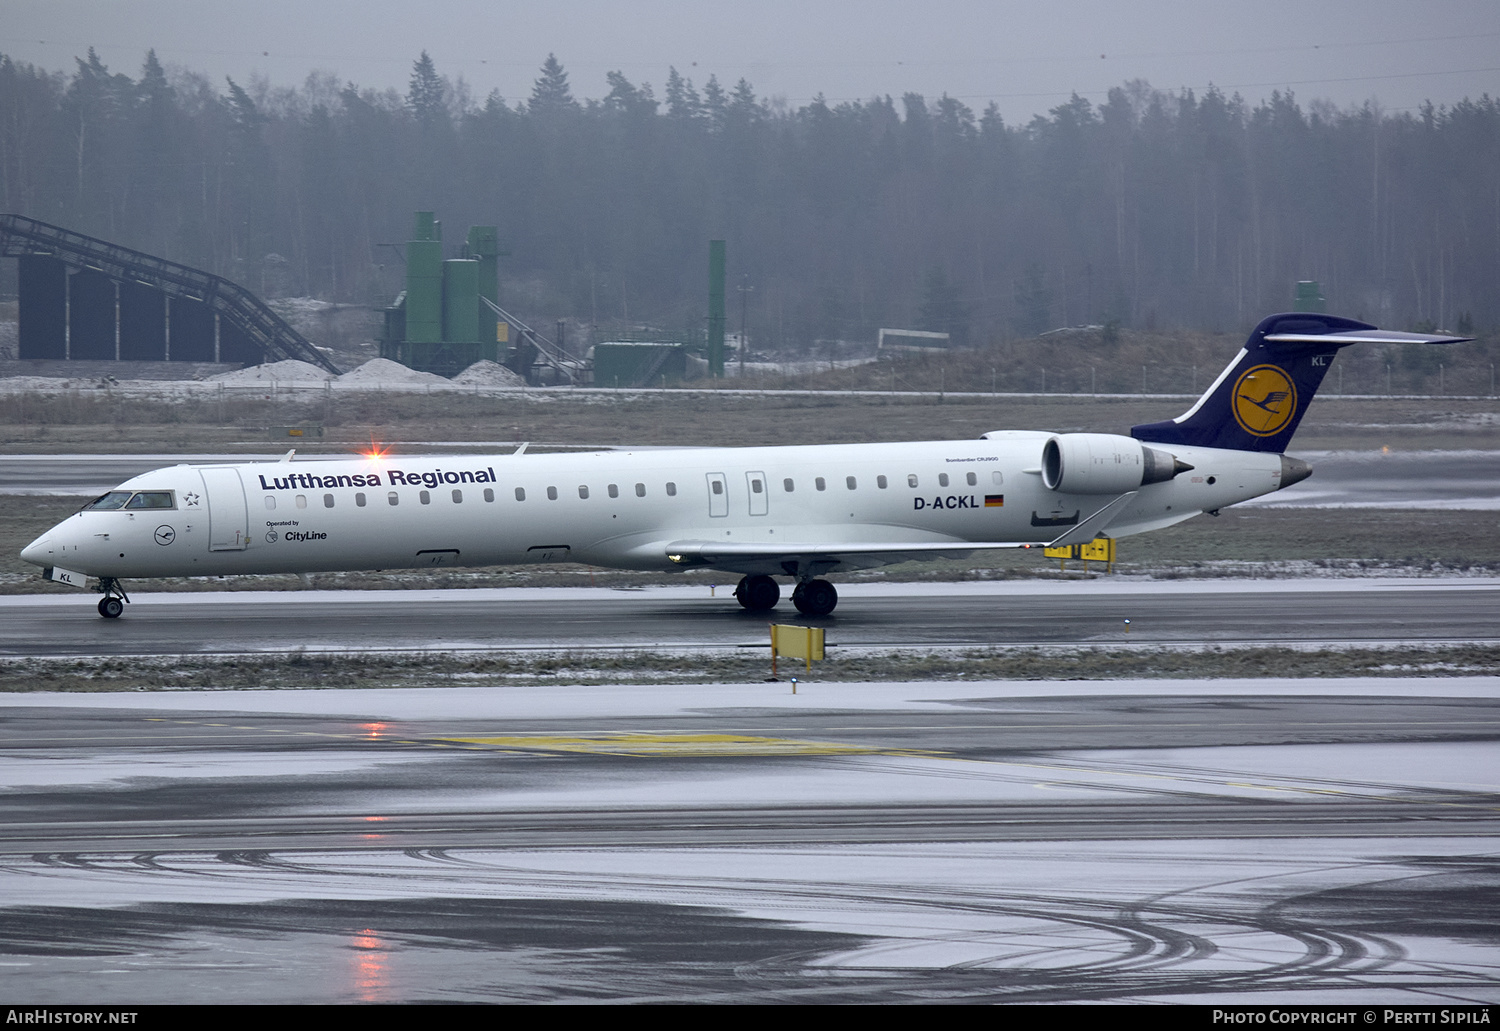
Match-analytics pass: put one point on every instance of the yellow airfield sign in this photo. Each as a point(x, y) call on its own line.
point(796, 642)
point(1100, 549)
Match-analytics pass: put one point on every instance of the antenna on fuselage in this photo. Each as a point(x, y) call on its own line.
point(520, 450)
point(288, 456)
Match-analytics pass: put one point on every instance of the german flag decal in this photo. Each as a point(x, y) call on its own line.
point(994, 501)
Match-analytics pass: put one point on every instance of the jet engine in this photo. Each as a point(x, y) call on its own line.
point(1104, 463)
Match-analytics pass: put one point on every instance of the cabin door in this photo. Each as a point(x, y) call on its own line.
point(759, 493)
point(718, 495)
point(228, 517)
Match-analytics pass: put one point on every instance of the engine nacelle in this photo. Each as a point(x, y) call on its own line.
point(1104, 463)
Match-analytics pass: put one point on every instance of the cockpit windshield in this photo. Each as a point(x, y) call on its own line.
point(114, 499)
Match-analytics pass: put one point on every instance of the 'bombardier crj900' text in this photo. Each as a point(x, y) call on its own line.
point(762, 512)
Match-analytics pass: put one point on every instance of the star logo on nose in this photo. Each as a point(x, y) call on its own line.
point(191, 499)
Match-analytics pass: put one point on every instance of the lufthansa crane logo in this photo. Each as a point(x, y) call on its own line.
point(165, 535)
point(1265, 399)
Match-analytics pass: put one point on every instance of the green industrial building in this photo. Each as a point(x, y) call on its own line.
point(440, 323)
point(625, 363)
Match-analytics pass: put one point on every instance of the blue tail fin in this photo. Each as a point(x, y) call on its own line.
point(1257, 402)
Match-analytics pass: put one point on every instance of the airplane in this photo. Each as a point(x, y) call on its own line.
point(800, 512)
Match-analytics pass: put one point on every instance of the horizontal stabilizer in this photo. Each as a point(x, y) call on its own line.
point(1368, 336)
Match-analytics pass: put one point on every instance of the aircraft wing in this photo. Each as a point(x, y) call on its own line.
point(731, 553)
point(699, 552)
point(789, 556)
point(1094, 525)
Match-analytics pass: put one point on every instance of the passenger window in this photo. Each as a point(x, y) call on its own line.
point(301, 500)
point(458, 497)
point(756, 487)
point(942, 479)
point(359, 500)
point(849, 482)
point(614, 490)
point(880, 482)
point(270, 503)
point(489, 493)
point(640, 490)
point(717, 486)
point(327, 500)
point(583, 492)
point(820, 483)
point(393, 498)
point(671, 489)
point(972, 478)
point(998, 477)
point(424, 497)
point(911, 479)
point(151, 499)
point(520, 493)
point(787, 485)
point(551, 493)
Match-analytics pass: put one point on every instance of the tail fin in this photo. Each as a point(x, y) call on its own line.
point(1257, 402)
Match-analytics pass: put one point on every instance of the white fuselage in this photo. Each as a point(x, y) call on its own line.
point(616, 508)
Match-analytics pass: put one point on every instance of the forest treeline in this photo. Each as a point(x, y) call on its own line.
point(1155, 209)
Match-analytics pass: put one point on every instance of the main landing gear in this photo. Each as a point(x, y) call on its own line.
point(815, 597)
point(757, 593)
point(113, 602)
point(812, 597)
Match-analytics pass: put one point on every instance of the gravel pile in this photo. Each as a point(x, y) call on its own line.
point(488, 374)
point(290, 370)
point(383, 370)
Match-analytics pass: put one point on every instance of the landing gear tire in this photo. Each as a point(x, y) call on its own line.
point(757, 593)
point(111, 607)
point(815, 598)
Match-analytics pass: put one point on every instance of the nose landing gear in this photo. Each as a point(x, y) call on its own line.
point(113, 602)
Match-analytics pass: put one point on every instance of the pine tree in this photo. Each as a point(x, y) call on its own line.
point(715, 102)
point(427, 96)
point(550, 94)
point(743, 105)
point(682, 100)
point(625, 96)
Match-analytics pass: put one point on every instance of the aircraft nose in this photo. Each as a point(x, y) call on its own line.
point(39, 551)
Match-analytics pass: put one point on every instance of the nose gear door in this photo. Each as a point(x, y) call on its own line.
point(228, 515)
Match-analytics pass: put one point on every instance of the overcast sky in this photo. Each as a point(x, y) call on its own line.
point(1027, 57)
